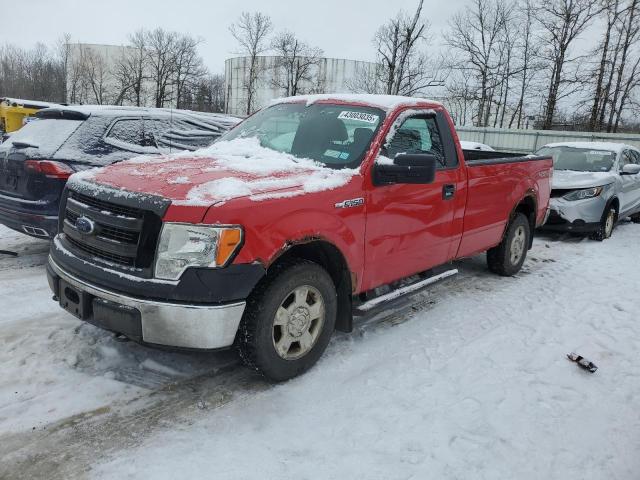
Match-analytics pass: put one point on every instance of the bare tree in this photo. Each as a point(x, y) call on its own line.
point(96, 75)
point(562, 21)
point(404, 68)
point(189, 67)
point(206, 95)
point(161, 57)
point(131, 70)
point(64, 53)
point(613, 12)
point(528, 64)
point(251, 31)
point(31, 73)
point(630, 33)
point(297, 65)
point(476, 33)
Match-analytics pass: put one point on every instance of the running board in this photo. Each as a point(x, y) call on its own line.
point(402, 291)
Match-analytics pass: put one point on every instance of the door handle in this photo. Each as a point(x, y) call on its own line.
point(448, 191)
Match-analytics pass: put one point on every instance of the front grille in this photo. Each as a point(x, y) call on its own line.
point(112, 233)
point(118, 234)
point(96, 252)
point(106, 206)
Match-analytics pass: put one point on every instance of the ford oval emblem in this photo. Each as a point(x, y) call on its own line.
point(85, 225)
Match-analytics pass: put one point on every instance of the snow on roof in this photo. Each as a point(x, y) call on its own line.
point(614, 147)
point(138, 111)
point(385, 102)
point(28, 103)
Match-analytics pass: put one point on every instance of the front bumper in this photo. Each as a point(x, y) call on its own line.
point(581, 216)
point(198, 326)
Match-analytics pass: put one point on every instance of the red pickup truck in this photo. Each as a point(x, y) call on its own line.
point(269, 239)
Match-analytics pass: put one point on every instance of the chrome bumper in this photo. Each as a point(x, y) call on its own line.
point(170, 324)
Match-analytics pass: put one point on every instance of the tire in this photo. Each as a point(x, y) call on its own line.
point(507, 258)
point(607, 224)
point(635, 218)
point(278, 311)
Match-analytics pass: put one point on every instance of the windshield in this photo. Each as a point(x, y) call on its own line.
point(579, 159)
point(335, 135)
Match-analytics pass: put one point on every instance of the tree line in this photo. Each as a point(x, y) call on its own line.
point(156, 68)
point(508, 63)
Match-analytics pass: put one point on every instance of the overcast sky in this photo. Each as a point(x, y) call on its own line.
point(342, 28)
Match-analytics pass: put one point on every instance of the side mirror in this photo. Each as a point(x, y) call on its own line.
point(406, 168)
point(630, 169)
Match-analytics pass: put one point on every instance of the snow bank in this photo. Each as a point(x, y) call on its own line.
point(475, 387)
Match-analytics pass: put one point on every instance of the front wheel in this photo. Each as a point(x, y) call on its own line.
point(289, 320)
point(607, 224)
point(507, 258)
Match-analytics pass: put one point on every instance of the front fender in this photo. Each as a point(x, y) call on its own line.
point(272, 227)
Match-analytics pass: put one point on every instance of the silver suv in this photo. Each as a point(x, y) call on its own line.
point(594, 185)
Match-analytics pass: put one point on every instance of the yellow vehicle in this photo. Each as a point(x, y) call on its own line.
point(15, 111)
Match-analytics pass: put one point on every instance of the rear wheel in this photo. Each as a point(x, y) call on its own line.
point(607, 224)
point(289, 320)
point(507, 258)
point(635, 218)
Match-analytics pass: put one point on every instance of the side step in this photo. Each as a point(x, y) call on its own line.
point(396, 293)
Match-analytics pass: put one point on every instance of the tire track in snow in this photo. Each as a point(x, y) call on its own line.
point(68, 448)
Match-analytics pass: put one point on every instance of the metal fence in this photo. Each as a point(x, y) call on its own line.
point(528, 141)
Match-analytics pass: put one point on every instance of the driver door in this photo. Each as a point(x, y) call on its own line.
point(413, 227)
point(630, 191)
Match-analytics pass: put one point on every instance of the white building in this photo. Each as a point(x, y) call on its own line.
point(334, 76)
point(90, 72)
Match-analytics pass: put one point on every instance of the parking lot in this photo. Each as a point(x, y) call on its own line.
point(470, 375)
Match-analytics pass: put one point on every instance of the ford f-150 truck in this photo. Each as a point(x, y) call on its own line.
point(270, 238)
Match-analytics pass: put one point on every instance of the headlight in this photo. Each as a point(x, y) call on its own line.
point(582, 194)
point(182, 246)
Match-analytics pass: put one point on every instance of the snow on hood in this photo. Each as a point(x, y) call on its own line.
point(569, 179)
point(221, 172)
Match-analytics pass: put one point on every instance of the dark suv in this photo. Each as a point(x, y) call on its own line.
point(37, 160)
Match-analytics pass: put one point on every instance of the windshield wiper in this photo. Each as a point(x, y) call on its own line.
point(19, 144)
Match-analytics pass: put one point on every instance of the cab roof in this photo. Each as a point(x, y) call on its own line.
point(384, 102)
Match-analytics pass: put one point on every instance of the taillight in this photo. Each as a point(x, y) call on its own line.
point(49, 168)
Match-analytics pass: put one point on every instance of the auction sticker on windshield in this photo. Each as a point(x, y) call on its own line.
point(361, 116)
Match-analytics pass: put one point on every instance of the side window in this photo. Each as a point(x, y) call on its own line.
point(127, 133)
point(626, 158)
point(418, 135)
point(635, 156)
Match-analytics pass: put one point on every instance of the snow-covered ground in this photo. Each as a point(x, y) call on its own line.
point(467, 380)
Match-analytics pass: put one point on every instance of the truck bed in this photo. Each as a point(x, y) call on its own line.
point(475, 158)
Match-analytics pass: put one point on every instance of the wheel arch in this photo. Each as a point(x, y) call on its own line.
point(328, 256)
point(529, 208)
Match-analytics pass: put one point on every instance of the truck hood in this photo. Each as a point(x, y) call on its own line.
point(569, 179)
point(222, 172)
